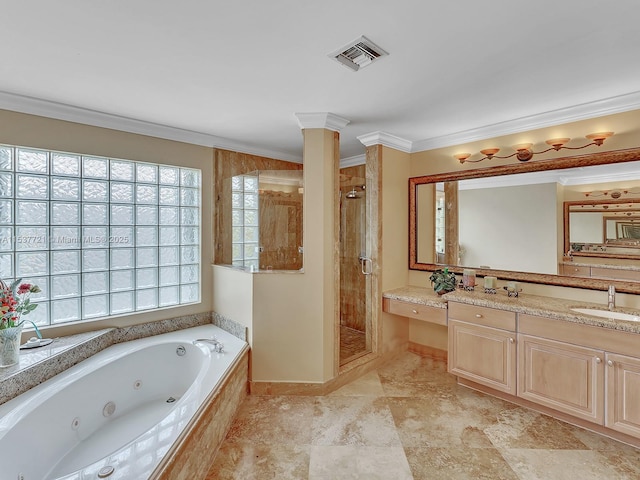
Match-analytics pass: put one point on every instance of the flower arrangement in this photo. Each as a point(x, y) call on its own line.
point(15, 302)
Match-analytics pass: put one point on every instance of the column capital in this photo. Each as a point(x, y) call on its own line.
point(386, 139)
point(324, 120)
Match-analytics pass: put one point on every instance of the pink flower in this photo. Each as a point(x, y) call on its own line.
point(24, 288)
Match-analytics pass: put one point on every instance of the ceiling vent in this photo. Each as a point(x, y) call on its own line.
point(358, 54)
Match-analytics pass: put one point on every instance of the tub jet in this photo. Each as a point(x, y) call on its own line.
point(109, 409)
point(104, 472)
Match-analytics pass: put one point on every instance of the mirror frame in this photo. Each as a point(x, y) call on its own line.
point(603, 158)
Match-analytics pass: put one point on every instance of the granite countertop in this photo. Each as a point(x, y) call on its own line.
point(550, 307)
point(32, 356)
point(419, 295)
point(634, 268)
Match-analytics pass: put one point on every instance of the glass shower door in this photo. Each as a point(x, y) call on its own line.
point(355, 268)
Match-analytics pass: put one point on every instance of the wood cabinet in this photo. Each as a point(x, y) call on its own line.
point(606, 272)
point(587, 372)
point(482, 346)
point(615, 273)
point(415, 310)
point(623, 394)
point(568, 378)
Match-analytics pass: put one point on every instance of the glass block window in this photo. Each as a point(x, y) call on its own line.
point(99, 236)
point(244, 221)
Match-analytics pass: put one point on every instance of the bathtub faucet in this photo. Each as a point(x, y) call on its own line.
point(217, 346)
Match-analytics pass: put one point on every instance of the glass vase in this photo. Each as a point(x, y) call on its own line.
point(10, 346)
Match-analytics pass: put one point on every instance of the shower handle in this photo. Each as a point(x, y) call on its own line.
point(366, 265)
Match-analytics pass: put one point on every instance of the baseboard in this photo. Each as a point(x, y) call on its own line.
point(602, 430)
point(365, 365)
point(426, 351)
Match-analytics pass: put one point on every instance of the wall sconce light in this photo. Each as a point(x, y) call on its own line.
point(615, 194)
point(524, 152)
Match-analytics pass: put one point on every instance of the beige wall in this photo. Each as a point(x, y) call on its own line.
point(395, 247)
point(491, 233)
point(291, 315)
point(46, 133)
point(232, 296)
point(294, 314)
point(429, 334)
point(625, 125)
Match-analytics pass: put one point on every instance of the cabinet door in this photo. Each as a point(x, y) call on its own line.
point(623, 394)
point(562, 376)
point(483, 354)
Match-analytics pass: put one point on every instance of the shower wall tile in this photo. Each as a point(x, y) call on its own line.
point(228, 164)
point(353, 237)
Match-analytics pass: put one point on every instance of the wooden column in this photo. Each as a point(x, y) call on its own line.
point(451, 223)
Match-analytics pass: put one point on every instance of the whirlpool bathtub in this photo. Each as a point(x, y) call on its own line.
point(116, 414)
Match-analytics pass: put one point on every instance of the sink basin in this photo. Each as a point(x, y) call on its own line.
point(607, 314)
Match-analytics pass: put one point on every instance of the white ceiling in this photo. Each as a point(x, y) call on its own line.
point(234, 73)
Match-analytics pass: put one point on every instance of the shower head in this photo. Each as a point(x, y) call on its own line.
point(353, 193)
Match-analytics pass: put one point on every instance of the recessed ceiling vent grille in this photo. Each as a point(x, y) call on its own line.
point(358, 54)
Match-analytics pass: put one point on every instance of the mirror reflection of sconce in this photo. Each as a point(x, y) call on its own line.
point(615, 194)
point(524, 153)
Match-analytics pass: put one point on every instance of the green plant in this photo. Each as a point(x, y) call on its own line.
point(443, 281)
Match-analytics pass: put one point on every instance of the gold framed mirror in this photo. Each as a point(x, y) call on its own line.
point(422, 225)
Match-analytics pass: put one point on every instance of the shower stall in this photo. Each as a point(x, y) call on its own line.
point(355, 266)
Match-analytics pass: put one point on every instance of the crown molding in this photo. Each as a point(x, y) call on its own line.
point(69, 113)
point(584, 111)
point(326, 120)
point(387, 140)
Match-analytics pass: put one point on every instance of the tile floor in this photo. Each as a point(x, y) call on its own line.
point(353, 344)
point(409, 420)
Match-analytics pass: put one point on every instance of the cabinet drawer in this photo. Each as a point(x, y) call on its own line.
point(415, 310)
point(575, 271)
point(614, 273)
point(490, 317)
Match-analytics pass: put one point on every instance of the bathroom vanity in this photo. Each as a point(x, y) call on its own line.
point(417, 303)
point(538, 352)
point(619, 272)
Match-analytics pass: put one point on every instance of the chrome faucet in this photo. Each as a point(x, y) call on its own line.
point(611, 297)
point(217, 346)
